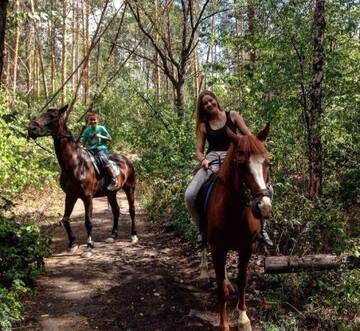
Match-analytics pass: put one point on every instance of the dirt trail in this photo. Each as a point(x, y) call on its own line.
point(147, 286)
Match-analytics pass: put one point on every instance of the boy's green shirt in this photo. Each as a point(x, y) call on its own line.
point(91, 141)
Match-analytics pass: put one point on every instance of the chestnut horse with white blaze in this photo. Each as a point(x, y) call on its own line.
point(78, 176)
point(231, 224)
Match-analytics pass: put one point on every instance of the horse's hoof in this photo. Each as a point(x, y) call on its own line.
point(89, 247)
point(134, 239)
point(244, 326)
point(110, 240)
point(73, 248)
point(86, 254)
point(243, 321)
point(203, 280)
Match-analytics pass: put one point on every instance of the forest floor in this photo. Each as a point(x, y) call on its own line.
point(147, 286)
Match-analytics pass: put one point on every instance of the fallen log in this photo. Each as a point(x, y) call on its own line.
point(288, 264)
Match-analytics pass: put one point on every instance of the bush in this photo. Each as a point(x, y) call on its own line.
point(22, 163)
point(21, 259)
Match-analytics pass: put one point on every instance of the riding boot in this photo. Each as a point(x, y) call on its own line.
point(112, 186)
point(263, 235)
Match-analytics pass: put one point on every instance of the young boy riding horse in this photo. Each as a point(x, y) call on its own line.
point(95, 138)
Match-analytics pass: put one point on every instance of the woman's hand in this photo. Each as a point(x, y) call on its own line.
point(205, 164)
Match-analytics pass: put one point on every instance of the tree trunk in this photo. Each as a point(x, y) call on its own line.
point(195, 60)
point(239, 50)
point(52, 46)
point(179, 98)
point(3, 12)
point(74, 41)
point(251, 16)
point(315, 147)
point(16, 46)
point(288, 264)
point(28, 59)
point(35, 76)
point(38, 49)
point(85, 11)
point(64, 51)
point(157, 76)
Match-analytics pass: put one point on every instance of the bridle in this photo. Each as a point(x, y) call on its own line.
point(252, 198)
point(48, 131)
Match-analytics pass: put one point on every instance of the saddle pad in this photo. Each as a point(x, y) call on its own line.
point(94, 163)
point(99, 167)
point(202, 201)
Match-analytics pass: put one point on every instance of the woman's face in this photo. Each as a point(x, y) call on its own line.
point(209, 103)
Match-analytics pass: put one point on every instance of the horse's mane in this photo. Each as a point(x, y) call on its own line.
point(248, 144)
point(252, 145)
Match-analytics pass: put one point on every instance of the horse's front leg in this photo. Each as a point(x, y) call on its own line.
point(88, 205)
point(130, 195)
point(69, 206)
point(243, 321)
point(219, 260)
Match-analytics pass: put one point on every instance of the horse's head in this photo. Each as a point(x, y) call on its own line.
point(47, 123)
point(249, 157)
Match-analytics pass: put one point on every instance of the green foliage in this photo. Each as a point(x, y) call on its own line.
point(313, 299)
point(166, 160)
point(10, 304)
point(21, 259)
point(21, 162)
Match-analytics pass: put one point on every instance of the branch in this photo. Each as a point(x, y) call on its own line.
point(142, 56)
point(150, 37)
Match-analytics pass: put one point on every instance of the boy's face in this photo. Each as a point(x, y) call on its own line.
point(93, 120)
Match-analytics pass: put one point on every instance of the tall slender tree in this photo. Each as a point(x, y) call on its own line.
point(16, 44)
point(64, 51)
point(3, 12)
point(315, 146)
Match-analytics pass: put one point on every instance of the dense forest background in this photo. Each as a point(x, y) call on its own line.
point(141, 65)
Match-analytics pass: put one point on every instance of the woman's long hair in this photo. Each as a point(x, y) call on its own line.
point(201, 115)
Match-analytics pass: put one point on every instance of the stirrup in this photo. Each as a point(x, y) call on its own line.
point(112, 186)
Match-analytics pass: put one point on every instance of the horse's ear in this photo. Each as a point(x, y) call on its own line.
point(233, 136)
point(63, 109)
point(262, 135)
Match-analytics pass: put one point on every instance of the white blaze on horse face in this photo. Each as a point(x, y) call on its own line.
point(256, 168)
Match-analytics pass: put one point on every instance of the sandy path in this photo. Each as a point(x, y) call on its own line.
point(148, 286)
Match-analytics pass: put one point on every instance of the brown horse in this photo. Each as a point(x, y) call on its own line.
point(78, 177)
point(240, 184)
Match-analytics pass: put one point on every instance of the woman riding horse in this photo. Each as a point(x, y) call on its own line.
point(212, 124)
point(78, 177)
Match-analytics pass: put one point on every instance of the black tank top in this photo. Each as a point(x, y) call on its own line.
point(217, 139)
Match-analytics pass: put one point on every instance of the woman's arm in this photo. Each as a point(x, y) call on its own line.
point(200, 146)
point(239, 122)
